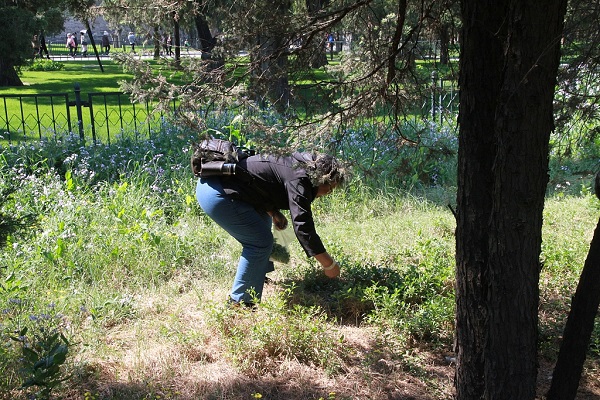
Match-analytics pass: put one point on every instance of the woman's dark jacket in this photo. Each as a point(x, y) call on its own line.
point(279, 183)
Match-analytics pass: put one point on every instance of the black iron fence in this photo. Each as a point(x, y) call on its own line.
point(443, 104)
point(98, 116)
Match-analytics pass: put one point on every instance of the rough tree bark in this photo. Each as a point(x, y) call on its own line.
point(269, 60)
point(8, 74)
point(510, 52)
point(207, 41)
point(580, 324)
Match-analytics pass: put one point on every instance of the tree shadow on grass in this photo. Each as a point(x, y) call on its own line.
point(346, 299)
point(234, 387)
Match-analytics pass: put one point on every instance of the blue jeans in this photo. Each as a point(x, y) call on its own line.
point(248, 226)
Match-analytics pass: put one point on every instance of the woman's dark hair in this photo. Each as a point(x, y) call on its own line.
point(326, 169)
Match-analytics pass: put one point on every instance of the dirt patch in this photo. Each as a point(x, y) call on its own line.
point(213, 377)
point(175, 354)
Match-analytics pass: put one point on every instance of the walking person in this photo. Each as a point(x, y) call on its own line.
point(43, 47)
point(83, 42)
point(330, 42)
point(105, 43)
point(248, 209)
point(75, 43)
point(131, 39)
point(169, 45)
point(165, 46)
point(71, 44)
point(35, 44)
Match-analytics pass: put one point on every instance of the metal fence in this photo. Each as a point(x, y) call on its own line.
point(99, 117)
point(443, 104)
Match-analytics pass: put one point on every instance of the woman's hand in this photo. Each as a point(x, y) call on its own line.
point(331, 268)
point(333, 271)
point(279, 220)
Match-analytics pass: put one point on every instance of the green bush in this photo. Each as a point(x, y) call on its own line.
point(34, 347)
point(43, 64)
point(257, 341)
point(119, 224)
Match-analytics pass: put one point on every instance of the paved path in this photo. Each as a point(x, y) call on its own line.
point(144, 55)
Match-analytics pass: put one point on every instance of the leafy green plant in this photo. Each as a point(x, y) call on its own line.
point(42, 64)
point(44, 349)
point(410, 295)
point(11, 218)
point(257, 341)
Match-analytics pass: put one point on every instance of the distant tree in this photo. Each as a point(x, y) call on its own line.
point(149, 20)
point(577, 106)
point(206, 39)
point(445, 25)
point(20, 22)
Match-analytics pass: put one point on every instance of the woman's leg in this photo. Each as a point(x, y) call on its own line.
point(249, 227)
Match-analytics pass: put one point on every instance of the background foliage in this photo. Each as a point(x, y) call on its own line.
point(118, 241)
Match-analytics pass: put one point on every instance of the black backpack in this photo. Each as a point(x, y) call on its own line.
point(216, 157)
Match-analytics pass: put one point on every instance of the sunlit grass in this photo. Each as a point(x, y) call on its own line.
point(139, 276)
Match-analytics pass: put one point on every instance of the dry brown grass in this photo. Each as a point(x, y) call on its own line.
point(171, 352)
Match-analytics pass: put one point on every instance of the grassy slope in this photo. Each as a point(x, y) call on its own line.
point(140, 277)
point(143, 296)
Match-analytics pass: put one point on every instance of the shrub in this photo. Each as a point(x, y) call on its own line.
point(42, 64)
point(258, 341)
point(35, 348)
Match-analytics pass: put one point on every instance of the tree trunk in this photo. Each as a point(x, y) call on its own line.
point(270, 81)
point(318, 56)
point(270, 63)
point(176, 39)
point(482, 52)
point(156, 42)
point(444, 44)
point(207, 41)
point(8, 74)
point(509, 61)
point(580, 325)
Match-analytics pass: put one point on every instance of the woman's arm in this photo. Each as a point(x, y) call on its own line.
point(331, 268)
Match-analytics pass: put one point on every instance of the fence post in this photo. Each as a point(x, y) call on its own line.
point(78, 105)
point(434, 79)
point(441, 102)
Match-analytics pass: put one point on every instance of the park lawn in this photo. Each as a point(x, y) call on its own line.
point(113, 114)
point(90, 78)
point(87, 73)
point(313, 94)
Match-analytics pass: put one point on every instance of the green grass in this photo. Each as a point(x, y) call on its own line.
point(89, 77)
point(124, 264)
point(86, 73)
